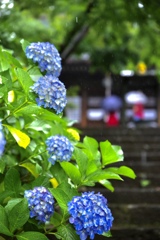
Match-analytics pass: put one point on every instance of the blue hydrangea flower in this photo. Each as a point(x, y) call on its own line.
point(59, 148)
point(40, 203)
point(51, 93)
point(2, 141)
point(47, 57)
point(90, 215)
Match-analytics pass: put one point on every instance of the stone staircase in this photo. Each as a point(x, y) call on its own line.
point(135, 204)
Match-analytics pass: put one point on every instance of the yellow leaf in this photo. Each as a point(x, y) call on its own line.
point(31, 168)
point(21, 138)
point(11, 96)
point(54, 182)
point(74, 133)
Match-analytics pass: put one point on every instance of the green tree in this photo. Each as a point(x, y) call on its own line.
point(119, 32)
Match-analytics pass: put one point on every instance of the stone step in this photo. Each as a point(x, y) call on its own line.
point(145, 172)
point(126, 139)
point(137, 145)
point(142, 157)
point(121, 131)
point(140, 167)
point(138, 151)
point(141, 141)
point(130, 195)
point(136, 208)
point(133, 234)
point(141, 146)
point(125, 135)
point(142, 181)
point(128, 234)
point(135, 215)
point(117, 139)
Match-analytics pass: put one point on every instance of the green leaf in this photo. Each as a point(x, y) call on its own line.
point(82, 160)
point(12, 181)
point(24, 44)
point(39, 125)
point(21, 138)
point(63, 194)
point(19, 215)
point(107, 234)
point(7, 60)
point(92, 167)
point(58, 173)
point(24, 79)
point(41, 181)
point(102, 174)
point(29, 109)
point(107, 184)
point(9, 160)
point(2, 165)
point(11, 60)
point(5, 195)
point(31, 168)
point(3, 215)
point(5, 86)
point(123, 170)
point(44, 114)
point(4, 222)
point(5, 230)
point(72, 172)
point(1, 238)
point(91, 144)
point(6, 74)
point(4, 64)
point(34, 71)
point(56, 219)
point(127, 172)
point(109, 153)
point(86, 161)
point(119, 152)
point(11, 203)
point(66, 232)
point(91, 149)
point(31, 236)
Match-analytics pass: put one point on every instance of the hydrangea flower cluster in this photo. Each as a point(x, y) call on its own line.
point(59, 148)
point(40, 203)
point(50, 90)
point(90, 215)
point(2, 140)
point(47, 57)
point(51, 93)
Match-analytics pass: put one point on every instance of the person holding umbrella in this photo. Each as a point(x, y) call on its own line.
point(138, 99)
point(111, 105)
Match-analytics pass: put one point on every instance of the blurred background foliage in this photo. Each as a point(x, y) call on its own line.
point(112, 34)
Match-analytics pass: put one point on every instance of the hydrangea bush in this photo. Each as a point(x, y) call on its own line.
point(46, 169)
